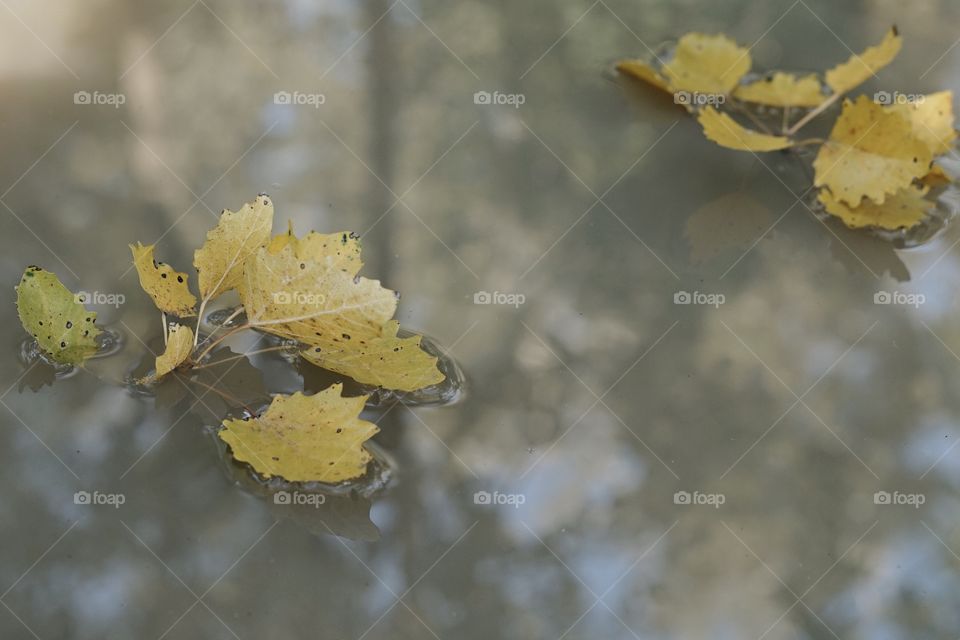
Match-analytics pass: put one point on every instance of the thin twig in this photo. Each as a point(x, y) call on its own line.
point(238, 356)
point(820, 108)
point(228, 334)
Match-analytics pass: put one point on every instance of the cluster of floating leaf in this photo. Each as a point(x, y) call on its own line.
point(878, 168)
point(306, 291)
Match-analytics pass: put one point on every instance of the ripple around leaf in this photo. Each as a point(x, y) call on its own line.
point(446, 392)
point(43, 370)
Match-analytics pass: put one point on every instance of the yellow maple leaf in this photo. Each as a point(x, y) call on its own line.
point(642, 71)
point(726, 132)
point(167, 287)
point(56, 317)
point(341, 249)
point(304, 299)
point(783, 90)
point(871, 152)
point(302, 438)
point(385, 361)
point(931, 117)
point(236, 237)
point(179, 346)
point(859, 68)
point(707, 64)
point(904, 209)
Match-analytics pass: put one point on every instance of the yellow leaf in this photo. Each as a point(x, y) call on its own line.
point(56, 317)
point(857, 69)
point(179, 346)
point(871, 152)
point(167, 287)
point(236, 237)
point(783, 90)
point(342, 249)
point(303, 299)
point(642, 71)
point(301, 438)
point(707, 64)
point(726, 132)
point(931, 117)
point(385, 361)
point(906, 208)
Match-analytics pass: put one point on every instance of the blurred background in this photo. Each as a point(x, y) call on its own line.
point(779, 464)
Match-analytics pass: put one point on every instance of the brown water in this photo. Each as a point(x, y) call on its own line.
point(589, 406)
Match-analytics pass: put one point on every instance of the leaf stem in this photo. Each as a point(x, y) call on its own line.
point(820, 108)
point(222, 394)
point(163, 320)
point(214, 343)
point(238, 356)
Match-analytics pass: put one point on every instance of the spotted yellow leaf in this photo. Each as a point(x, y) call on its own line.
point(904, 209)
point(179, 346)
point(859, 68)
point(167, 287)
point(726, 132)
point(642, 71)
point(341, 249)
point(56, 317)
point(931, 117)
point(871, 152)
point(304, 299)
point(707, 64)
point(236, 237)
point(385, 361)
point(302, 438)
point(783, 90)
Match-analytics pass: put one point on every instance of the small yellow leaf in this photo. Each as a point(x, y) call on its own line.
point(643, 71)
point(236, 237)
point(931, 117)
point(783, 90)
point(857, 69)
point(167, 287)
point(341, 249)
point(871, 152)
point(179, 346)
point(707, 64)
point(906, 208)
point(301, 438)
point(385, 361)
point(726, 132)
point(303, 299)
point(56, 317)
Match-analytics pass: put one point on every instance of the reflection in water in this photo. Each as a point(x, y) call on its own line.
point(597, 400)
